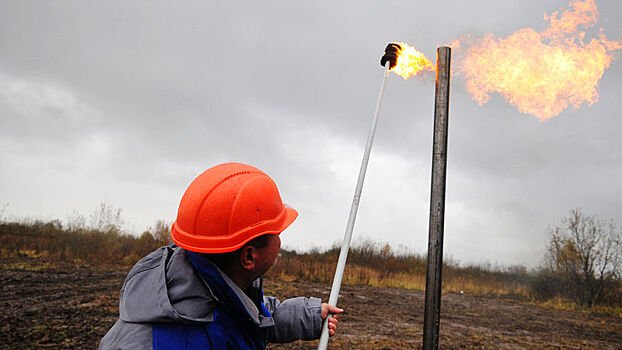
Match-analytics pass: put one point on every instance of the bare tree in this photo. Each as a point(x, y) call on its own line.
point(161, 232)
point(586, 254)
point(107, 219)
point(3, 211)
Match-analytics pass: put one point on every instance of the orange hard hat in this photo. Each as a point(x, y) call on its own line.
point(227, 206)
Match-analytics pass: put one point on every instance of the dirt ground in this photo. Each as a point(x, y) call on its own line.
point(72, 307)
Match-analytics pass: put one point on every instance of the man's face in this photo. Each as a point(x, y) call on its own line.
point(267, 255)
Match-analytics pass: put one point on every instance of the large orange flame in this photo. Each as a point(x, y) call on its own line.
point(410, 62)
point(541, 73)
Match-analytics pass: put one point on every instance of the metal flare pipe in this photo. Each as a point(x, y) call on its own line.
point(432, 311)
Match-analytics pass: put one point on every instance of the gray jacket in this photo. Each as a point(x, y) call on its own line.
point(164, 287)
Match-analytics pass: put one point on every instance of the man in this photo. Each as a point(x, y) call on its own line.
point(205, 291)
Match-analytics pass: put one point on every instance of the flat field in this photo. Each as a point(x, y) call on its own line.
point(48, 305)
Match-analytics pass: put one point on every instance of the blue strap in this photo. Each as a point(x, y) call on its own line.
point(169, 336)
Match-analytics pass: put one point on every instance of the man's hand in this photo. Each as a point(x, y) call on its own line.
point(332, 321)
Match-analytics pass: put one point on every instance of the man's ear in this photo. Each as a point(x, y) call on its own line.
point(248, 257)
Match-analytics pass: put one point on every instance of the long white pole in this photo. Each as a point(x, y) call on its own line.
point(345, 247)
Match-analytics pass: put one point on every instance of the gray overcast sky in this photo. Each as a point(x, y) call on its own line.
point(127, 102)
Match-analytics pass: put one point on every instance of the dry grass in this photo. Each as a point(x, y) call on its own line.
point(369, 263)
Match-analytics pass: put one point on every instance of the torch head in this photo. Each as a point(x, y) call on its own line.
point(390, 55)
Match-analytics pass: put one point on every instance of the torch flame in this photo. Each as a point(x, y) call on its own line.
point(542, 73)
point(410, 62)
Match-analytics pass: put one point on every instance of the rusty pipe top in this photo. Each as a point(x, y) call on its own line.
point(390, 55)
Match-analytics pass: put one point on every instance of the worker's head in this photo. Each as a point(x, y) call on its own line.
point(229, 207)
point(252, 260)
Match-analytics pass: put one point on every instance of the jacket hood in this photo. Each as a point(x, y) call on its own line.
point(164, 287)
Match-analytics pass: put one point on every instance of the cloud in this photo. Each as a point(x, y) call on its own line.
point(127, 102)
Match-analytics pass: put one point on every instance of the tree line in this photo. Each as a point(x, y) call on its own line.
point(582, 263)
